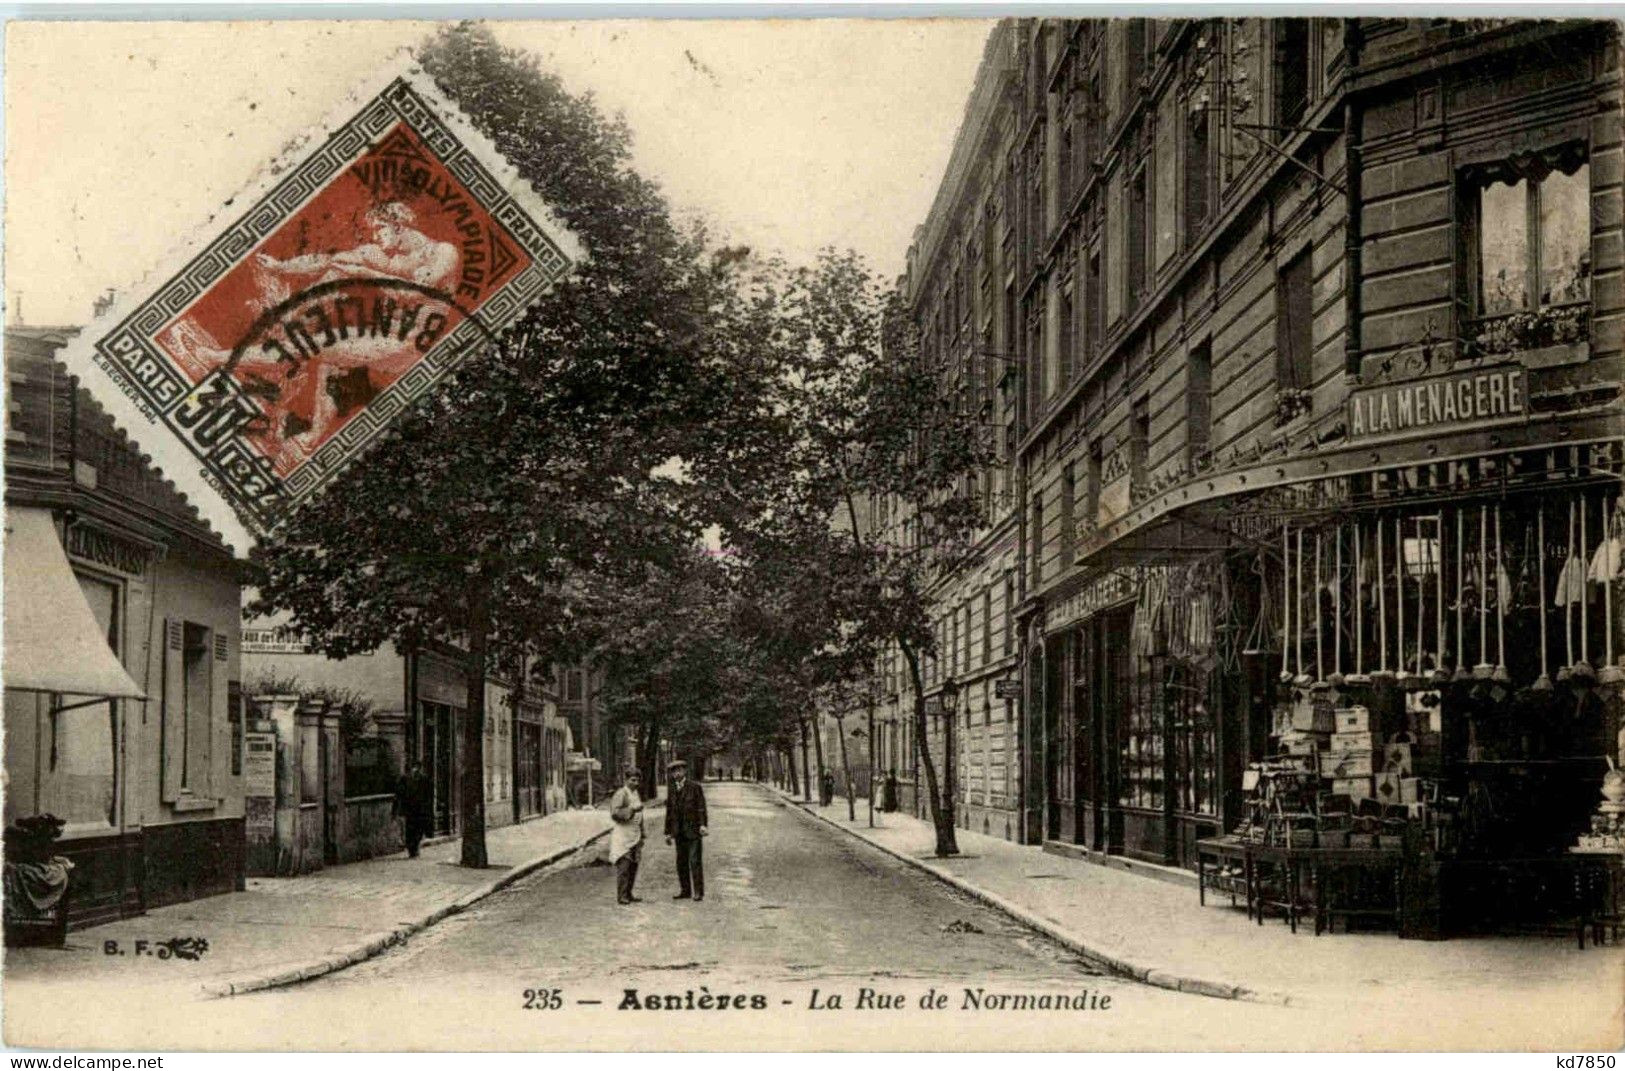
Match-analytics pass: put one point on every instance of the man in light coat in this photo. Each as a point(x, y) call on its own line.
point(626, 836)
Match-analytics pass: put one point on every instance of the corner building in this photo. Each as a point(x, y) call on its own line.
point(1290, 333)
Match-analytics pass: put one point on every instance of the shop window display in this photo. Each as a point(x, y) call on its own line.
point(1450, 688)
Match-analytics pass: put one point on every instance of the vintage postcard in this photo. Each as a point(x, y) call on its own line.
point(1085, 533)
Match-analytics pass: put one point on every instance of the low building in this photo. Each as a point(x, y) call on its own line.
point(140, 753)
point(424, 692)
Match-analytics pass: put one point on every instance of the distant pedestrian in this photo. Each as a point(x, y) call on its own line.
point(888, 795)
point(685, 827)
point(826, 788)
point(626, 836)
point(414, 805)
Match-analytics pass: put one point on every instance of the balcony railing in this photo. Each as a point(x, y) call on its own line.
point(1518, 332)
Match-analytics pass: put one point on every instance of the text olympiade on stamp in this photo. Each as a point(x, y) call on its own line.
point(352, 285)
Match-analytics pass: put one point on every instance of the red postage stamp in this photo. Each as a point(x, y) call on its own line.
point(355, 284)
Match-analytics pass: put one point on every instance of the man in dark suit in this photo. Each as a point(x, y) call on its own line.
point(685, 827)
point(414, 804)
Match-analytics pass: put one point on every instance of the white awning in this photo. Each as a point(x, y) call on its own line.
point(52, 640)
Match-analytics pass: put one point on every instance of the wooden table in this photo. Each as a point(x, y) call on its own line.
point(1289, 863)
point(1329, 866)
point(1598, 877)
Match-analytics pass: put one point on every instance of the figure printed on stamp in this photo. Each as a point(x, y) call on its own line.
point(331, 357)
point(397, 251)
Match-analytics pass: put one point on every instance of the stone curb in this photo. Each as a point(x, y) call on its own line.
point(373, 944)
point(1118, 963)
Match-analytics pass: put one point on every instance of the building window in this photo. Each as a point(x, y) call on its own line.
point(1087, 150)
point(1134, 46)
point(198, 693)
point(1094, 313)
point(1009, 613)
point(1528, 250)
point(987, 624)
point(1068, 339)
point(1198, 402)
point(1063, 164)
point(969, 629)
point(1091, 490)
point(1291, 71)
point(1037, 541)
point(1198, 173)
point(1140, 443)
point(1294, 326)
point(1136, 237)
point(234, 713)
point(1036, 357)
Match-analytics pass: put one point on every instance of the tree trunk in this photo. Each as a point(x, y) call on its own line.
point(647, 759)
point(950, 768)
point(846, 765)
point(942, 810)
point(517, 699)
point(818, 752)
point(806, 781)
point(473, 795)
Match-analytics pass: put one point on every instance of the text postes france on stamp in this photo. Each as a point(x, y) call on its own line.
point(353, 284)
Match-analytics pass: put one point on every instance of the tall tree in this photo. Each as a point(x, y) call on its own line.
point(569, 447)
point(878, 425)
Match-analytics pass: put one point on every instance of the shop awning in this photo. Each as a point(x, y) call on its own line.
point(52, 640)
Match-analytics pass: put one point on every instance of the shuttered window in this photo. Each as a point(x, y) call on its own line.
point(1291, 71)
point(1294, 326)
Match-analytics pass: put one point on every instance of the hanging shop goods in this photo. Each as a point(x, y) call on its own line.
point(1456, 755)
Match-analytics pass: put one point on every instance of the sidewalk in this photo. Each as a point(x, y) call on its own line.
point(282, 930)
point(1155, 931)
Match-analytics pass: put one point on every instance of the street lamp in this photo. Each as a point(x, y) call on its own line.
point(950, 697)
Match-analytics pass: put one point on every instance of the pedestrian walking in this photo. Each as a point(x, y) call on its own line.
point(685, 827)
point(888, 796)
point(414, 805)
point(826, 788)
point(626, 836)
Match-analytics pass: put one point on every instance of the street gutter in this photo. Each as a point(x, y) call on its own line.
point(1115, 961)
point(376, 943)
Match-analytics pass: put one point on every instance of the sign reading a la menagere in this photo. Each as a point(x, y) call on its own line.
point(1457, 399)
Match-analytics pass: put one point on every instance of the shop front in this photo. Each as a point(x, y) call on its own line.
point(123, 726)
point(529, 797)
point(1422, 657)
point(1450, 671)
point(441, 697)
point(1145, 700)
point(1436, 654)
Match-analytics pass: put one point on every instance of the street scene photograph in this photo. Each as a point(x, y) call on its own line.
point(1069, 532)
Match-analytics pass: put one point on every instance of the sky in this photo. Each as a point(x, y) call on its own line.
point(124, 139)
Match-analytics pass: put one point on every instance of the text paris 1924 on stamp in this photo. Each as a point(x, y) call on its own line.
point(362, 276)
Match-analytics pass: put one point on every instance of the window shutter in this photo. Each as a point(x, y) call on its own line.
point(219, 701)
point(173, 734)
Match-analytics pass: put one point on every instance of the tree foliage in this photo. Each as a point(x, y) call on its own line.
point(879, 430)
point(583, 442)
